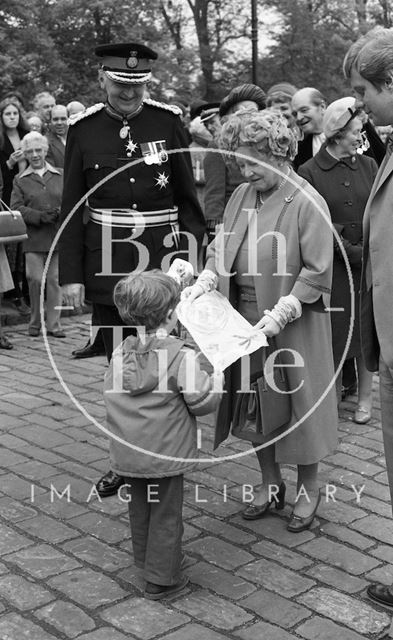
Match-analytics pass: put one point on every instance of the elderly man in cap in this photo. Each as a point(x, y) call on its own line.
point(369, 67)
point(140, 214)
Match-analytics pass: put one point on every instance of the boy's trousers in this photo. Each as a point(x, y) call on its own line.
point(155, 511)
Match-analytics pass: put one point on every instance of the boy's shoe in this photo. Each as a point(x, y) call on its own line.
point(158, 591)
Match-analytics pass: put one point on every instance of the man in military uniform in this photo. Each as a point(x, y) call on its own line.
point(140, 215)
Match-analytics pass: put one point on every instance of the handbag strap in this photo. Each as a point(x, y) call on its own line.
point(3, 204)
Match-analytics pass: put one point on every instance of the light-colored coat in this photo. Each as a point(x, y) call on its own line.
point(308, 274)
point(376, 299)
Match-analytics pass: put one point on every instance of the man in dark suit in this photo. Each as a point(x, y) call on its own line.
point(57, 136)
point(369, 67)
point(138, 218)
point(308, 107)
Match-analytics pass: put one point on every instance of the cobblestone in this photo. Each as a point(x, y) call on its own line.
point(142, 618)
point(285, 582)
point(42, 561)
point(66, 617)
point(215, 611)
point(22, 593)
point(338, 606)
point(87, 587)
point(97, 553)
point(275, 609)
point(339, 555)
point(264, 630)
point(66, 563)
point(321, 629)
point(15, 627)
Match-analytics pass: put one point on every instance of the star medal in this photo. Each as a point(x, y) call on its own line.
point(130, 147)
point(162, 180)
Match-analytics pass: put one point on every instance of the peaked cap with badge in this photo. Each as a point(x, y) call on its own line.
point(128, 63)
point(151, 195)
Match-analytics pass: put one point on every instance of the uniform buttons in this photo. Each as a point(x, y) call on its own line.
point(347, 183)
point(132, 180)
point(96, 166)
point(134, 206)
point(349, 203)
point(353, 225)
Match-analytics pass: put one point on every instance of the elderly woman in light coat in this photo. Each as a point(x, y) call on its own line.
point(273, 259)
point(37, 195)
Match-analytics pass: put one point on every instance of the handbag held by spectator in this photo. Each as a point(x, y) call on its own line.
point(12, 225)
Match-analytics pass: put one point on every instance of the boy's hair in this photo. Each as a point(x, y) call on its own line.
point(144, 299)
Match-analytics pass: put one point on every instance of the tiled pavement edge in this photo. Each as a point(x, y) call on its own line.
point(66, 568)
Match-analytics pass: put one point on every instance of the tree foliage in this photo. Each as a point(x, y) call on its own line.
point(204, 45)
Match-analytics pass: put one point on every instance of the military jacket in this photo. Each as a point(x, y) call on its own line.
point(152, 180)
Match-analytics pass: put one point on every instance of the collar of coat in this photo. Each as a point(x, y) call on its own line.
point(48, 167)
point(326, 161)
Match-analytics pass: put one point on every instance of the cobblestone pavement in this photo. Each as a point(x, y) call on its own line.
point(66, 566)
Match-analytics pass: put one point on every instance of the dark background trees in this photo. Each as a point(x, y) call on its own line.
point(204, 45)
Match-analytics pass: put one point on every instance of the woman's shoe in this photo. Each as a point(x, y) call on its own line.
point(5, 343)
point(254, 511)
point(362, 414)
point(297, 523)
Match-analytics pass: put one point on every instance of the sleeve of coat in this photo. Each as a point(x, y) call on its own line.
point(191, 218)
point(215, 187)
point(316, 250)
point(71, 240)
point(304, 172)
point(30, 215)
point(201, 392)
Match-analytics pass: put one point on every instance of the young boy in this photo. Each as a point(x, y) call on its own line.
point(153, 390)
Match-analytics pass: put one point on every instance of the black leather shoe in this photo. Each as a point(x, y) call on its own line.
point(88, 351)
point(381, 593)
point(254, 511)
point(109, 484)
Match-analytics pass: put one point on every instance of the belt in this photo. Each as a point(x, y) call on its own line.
point(247, 294)
point(133, 218)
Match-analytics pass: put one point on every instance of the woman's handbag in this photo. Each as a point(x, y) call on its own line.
point(264, 409)
point(12, 226)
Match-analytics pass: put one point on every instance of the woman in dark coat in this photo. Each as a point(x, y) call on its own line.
point(12, 161)
point(344, 178)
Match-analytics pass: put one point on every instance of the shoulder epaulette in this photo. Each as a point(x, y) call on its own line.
point(161, 105)
point(85, 114)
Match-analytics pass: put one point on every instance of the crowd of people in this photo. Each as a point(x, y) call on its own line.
point(32, 147)
point(275, 206)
